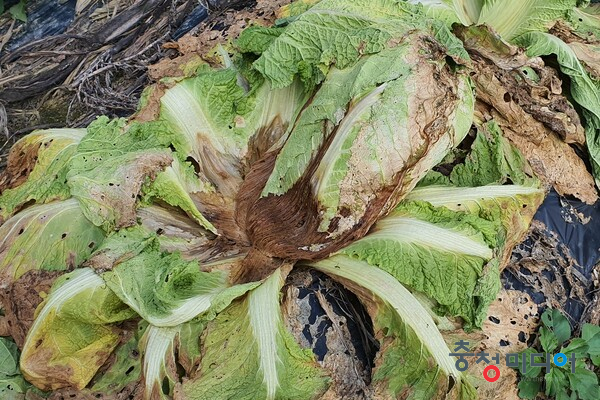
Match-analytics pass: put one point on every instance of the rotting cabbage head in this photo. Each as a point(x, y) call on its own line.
point(306, 150)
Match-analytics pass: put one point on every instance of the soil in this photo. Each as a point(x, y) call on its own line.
point(101, 61)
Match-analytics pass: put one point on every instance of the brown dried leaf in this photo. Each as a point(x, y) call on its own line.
point(117, 187)
point(222, 28)
point(512, 319)
point(546, 266)
point(151, 109)
point(531, 111)
point(585, 48)
point(589, 55)
point(564, 32)
point(591, 312)
point(183, 66)
point(482, 41)
point(21, 160)
point(4, 326)
point(219, 209)
point(551, 159)
point(21, 299)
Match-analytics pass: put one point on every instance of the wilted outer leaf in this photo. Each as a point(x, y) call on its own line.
point(174, 186)
point(492, 163)
point(436, 251)
point(201, 111)
point(448, 242)
point(363, 154)
point(111, 165)
point(588, 55)
point(189, 349)
point(125, 369)
point(510, 93)
point(72, 335)
point(492, 160)
point(159, 369)
point(53, 236)
point(20, 300)
point(455, 271)
point(333, 31)
point(585, 90)
point(108, 194)
point(164, 348)
point(407, 334)
point(37, 169)
point(352, 91)
point(166, 290)
point(169, 231)
point(514, 206)
point(120, 376)
point(177, 233)
point(275, 110)
point(212, 118)
point(121, 246)
point(248, 354)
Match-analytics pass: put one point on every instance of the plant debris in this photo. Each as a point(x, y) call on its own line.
point(309, 201)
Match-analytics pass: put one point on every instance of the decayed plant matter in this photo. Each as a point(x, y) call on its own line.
point(387, 144)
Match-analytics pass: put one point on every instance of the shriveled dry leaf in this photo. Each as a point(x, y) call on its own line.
point(525, 98)
point(588, 54)
point(224, 27)
point(512, 319)
point(552, 160)
point(20, 300)
point(546, 266)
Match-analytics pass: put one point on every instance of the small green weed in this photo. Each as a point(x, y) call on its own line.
point(568, 378)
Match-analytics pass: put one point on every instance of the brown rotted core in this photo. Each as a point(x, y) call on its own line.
point(283, 229)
